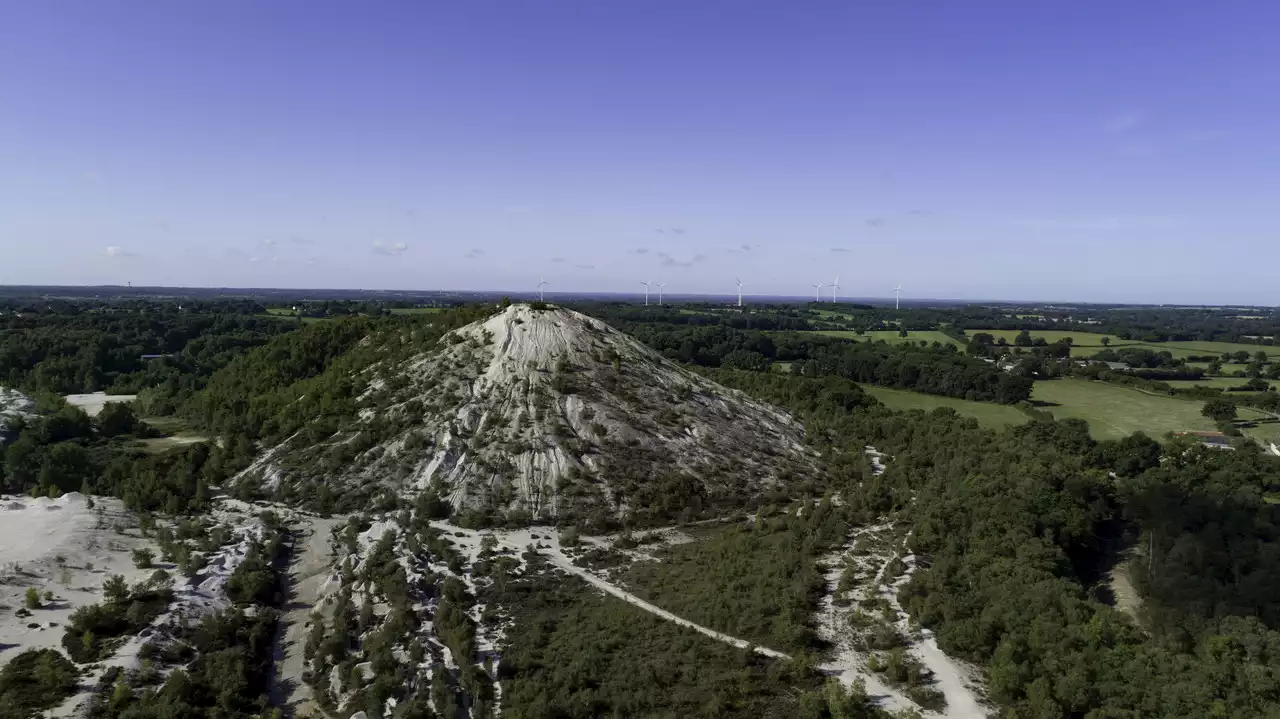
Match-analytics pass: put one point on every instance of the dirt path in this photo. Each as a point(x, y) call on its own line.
point(307, 573)
point(518, 540)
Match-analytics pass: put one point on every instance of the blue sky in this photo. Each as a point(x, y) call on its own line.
point(1058, 151)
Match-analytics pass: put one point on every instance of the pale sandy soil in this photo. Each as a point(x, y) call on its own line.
point(310, 567)
point(93, 403)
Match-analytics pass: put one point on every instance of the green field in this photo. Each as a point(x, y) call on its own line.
point(1089, 343)
point(890, 336)
point(994, 416)
point(289, 315)
point(1222, 383)
point(417, 310)
point(1113, 411)
point(1078, 339)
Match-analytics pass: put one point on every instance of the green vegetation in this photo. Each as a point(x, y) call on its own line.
point(994, 416)
point(1113, 411)
point(757, 582)
point(573, 654)
point(33, 681)
point(95, 630)
point(1012, 528)
point(893, 337)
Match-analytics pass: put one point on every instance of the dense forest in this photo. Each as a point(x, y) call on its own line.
point(1015, 531)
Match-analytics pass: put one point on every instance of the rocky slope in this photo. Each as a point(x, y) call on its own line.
point(554, 414)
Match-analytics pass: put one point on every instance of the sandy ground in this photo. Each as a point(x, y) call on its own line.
point(64, 547)
point(1126, 595)
point(308, 572)
point(93, 403)
point(955, 680)
point(849, 664)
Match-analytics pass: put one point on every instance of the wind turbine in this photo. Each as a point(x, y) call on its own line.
point(735, 279)
point(817, 292)
point(646, 292)
point(541, 283)
point(897, 295)
point(660, 286)
point(835, 286)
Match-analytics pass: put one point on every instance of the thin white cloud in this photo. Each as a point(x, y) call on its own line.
point(117, 251)
point(389, 248)
point(875, 221)
point(841, 249)
point(639, 251)
point(585, 267)
point(670, 231)
point(474, 253)
point(1125, 122)
point(558, 260)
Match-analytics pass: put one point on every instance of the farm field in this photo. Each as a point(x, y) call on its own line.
point(416, 310)
point(993, 416)
point(1089, 343)
point(289, 315)
point(890, 336)
point(1222, 383)
point(1113, 411)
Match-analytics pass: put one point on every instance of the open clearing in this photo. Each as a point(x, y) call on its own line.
point(1113, 411)
point(993, 416)
point(890, 336)
point(1222, 383)
point(93, 403)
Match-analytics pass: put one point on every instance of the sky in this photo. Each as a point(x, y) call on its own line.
point(1111, 152)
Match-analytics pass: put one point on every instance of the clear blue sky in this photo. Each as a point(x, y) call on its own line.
point(1082, 151)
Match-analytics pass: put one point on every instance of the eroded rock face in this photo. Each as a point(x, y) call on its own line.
point(554, 413)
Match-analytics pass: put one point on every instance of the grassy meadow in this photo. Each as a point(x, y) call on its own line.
point(891, 336)
point(993, 416)
point(1113, 411)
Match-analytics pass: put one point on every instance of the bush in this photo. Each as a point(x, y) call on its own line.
point(142, 558)
point(33, 598)
point(35, 680)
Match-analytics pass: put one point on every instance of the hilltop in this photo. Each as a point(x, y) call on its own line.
point(549, 414)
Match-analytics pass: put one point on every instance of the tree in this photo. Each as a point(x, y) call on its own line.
point(115, 589)
point(1106, 341)
point(1023, 339)
point(115, 419)
point(1219, 410)
point(33, 598)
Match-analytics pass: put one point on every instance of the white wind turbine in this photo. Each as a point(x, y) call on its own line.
point(541, 283)
point(835, 286)
point(735, 279)
point(660, 286)
point(817, 292)
point(897, 295)
point(646, 292)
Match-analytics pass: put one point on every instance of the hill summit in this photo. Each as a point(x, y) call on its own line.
point(549, 413)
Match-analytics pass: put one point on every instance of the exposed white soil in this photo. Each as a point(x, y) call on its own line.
point(60, 546)
point(1126, 596)
point(957, 682)
point(93, 402)
point(308, 571)
point(14, 404)
point(64, 546)
point(850, 664)
point(519, 411)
